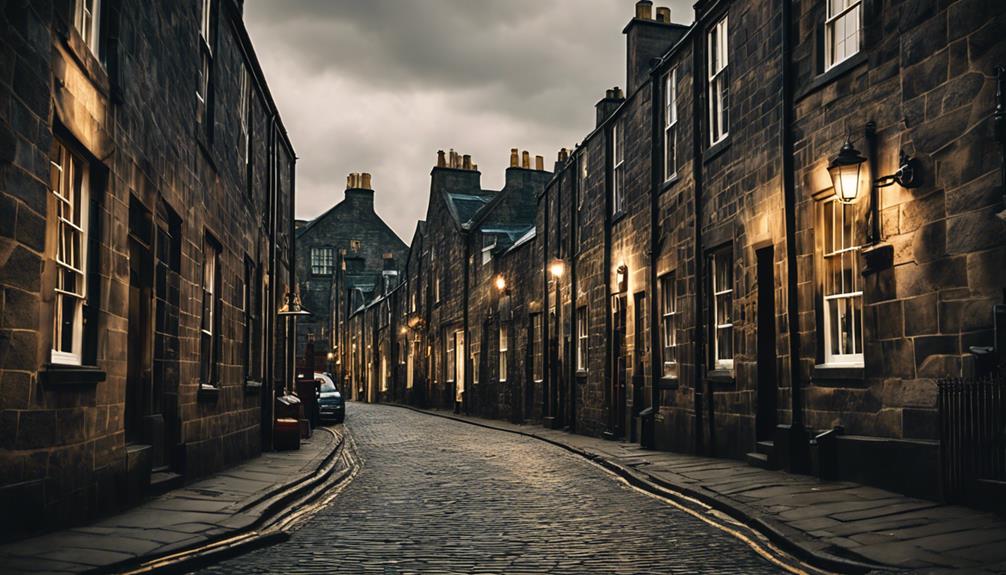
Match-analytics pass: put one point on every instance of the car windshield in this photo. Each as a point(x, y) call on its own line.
point(327, 386)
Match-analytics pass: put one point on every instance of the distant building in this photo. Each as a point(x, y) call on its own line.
point(346, 257)
point(145, 233)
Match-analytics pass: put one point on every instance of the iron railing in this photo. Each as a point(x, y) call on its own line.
point(972, 433)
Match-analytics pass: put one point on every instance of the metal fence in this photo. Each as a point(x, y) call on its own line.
point(972, 433)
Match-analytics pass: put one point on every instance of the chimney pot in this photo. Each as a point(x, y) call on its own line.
point(475, 167)
point(664, 15)
point(539, 163)
point(466, 162)
point(525, 160)
point(644, 9)
point(349, 181)
point(514, 162)
point(365, 184)
point(441, 159)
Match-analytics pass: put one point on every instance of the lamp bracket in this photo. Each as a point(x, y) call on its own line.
point(908, 168)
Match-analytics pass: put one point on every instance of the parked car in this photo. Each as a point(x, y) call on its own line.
point(331, 404)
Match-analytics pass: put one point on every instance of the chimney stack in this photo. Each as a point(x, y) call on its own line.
point(466, 162)
point(441, 159)
point(644, 10)
point(514, 161)
point(365, 184)
point(539, 163)
point(664, 15)
point(525, 160)
point(563, 155)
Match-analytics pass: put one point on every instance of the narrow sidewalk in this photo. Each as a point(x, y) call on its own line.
point(221, 506)
point(826, 521)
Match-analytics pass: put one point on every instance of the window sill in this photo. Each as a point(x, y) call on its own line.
point(833, 374)
point(71, 375)
point(669, 183)
point(720, 377)
point(668, 383)
point(207, 393)
point(253, 387)
point(834, 73)
point(716, 149)
point(581, 374)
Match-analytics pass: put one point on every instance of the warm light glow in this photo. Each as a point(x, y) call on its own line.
point(405, 330)
point(844, 171)
point(557, 268)
point(500, 283)
point(330, 356)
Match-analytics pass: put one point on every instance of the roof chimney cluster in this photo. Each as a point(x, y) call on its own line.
point(358, 181)
point(524, 160)
point(456, 161)
point(644, 11)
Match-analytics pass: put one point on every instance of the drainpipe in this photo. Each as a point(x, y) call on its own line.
point(799, 449)
point(656, 153)
point(999, 125)
point(546, 341)
point(269, 375)
point(573, 225)
point(609, 377)
point(465, 402)
point(699, 358)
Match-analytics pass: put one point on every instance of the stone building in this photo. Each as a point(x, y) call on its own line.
point(789, 224)
point(346, 257)
point(145, 241)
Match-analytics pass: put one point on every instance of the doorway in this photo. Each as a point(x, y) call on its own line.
point(143, 421)
point(766, 416)
point(619, 360)
point(640, 358)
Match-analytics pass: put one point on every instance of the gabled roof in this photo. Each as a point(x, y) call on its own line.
point(464, 207)
point(523, 240)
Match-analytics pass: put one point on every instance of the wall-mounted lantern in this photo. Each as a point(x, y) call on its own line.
point(845, 167)
point(622, 278)
point(557, 268)
point(500, 284)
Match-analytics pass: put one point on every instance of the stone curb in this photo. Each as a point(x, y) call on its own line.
point(268, 509)
point(787, 539)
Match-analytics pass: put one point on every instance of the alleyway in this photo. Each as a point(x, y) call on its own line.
point(440, 496)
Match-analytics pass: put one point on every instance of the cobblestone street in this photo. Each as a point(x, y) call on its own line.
point(439, 496)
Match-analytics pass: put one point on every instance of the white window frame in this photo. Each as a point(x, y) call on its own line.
point(841, 251)
point(206, 60)
point(669, 316)
point(722, 300)
point(322, 261)
point(718, 85)
point(618, 167)
point(538, 351)
point(70, 186)
point(504, 347)
point(840, 12)
point(207, 326)
point(245, 112)
point(582, 338)
point(671, 125)
point(87, 22)
point(449, 360)
point(475, 366)
point(583, 173)
point(384, 369)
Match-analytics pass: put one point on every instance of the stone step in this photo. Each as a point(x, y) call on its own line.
point(766, 447)
point(164, 480)
point(757, 460)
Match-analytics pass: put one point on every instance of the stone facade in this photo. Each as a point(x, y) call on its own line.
point(345, 258)
point(705, 273)
point(145, 235)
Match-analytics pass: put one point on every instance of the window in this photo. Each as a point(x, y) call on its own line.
point(475, 367)
point(584, 172)
point(69, 181)
point(841, 31)
point(384, 368)
point(451, 364)
point(248, 306)
point(843, 295)
point(437, 278)
point(459, 359)
point(537, 351)
point(718, 85)
point(210, 320)
point(87, 20)
point(582, 339)
point(669, 326)
point(321, 261)
point(245, 112)
point(618, 168)
point(723, 298)
point(670, 124)
point(355, 245)
point(205, 64)
point(413, 288)
point(504, 346)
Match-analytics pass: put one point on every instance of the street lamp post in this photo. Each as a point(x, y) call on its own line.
point(556, 268)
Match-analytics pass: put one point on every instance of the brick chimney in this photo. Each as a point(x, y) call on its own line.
point(613, 98)
point(646, 40)
point(359, 192)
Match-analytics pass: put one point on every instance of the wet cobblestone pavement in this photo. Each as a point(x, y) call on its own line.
point(439, 496)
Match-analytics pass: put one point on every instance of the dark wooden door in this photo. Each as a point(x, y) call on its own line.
point(766, 417)
point(619, 364)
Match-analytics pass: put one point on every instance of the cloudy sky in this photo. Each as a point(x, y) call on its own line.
point(380, 85)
